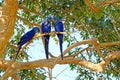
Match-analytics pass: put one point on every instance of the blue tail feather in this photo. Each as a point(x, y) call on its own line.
point(17, 52)
point(61, 47)
point(46, 48)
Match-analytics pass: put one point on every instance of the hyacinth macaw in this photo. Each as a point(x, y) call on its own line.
point(26, 38)
point(46, 28)
point(59, 27)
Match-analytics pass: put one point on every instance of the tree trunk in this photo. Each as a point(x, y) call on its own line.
point(7, 23)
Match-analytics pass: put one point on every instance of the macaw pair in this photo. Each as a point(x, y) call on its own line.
point(46, 28)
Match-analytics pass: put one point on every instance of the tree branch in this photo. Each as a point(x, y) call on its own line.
point(114, 25)
point(13, 67)
point(92, 41)
point(109, 44)
point(27, 22)
point(102, 4)
point(25, 9)
point(15, 77)
point(46, 63)
point(7, 22)
point(77, 53)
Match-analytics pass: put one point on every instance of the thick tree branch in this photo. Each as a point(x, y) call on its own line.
point(46, 63)
point(7, 23)
point(108, 58)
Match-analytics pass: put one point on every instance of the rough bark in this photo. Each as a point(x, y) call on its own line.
point(7, 23)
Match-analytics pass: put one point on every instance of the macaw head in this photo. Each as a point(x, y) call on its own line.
point(47, 19)
point(55, 19)
point(36, 29)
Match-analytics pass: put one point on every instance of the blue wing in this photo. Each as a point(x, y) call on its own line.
point(59, 27)
point(24, 39)
point(27, 37)
point(46, 28)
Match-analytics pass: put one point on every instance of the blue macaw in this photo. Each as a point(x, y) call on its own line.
point(46, 28)
point(59, 27)
point(26, 38)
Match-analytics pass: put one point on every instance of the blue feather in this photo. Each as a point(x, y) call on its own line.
point(46, 46)
point(46, 28)
point(20, 46)
point(26, 38)
point(59, 27)
point(60, 43)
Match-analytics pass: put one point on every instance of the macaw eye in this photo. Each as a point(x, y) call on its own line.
point(36, 31)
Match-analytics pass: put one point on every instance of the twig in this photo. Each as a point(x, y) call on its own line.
point(15, 77)
point(101, 5)
point(50, 73)
point(27, 22)
point(61, 72)
point(114, 26)
point(77, 53)
point(28, 10)
point(97, 47)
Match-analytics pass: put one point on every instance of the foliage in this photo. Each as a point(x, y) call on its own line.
point(77, 16)
point(34, 74)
